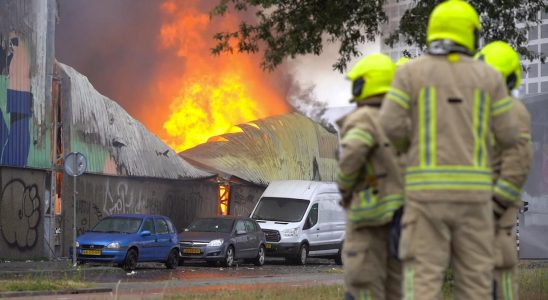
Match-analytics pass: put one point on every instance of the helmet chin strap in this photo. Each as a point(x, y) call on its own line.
point(444, 47)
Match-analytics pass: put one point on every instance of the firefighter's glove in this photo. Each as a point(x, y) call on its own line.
point(346, 198)
point(499, 207)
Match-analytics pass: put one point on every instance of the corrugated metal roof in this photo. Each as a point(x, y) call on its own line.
point(289, 146)
point(113, 141)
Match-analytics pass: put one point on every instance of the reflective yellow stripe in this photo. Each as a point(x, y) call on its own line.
point(427, 126)
point(507, 293)
point(398, 96)
point(408, 283)
point(346, 181)
point(501, 106)
point(525, 135)
point(375, 211)
point(507, 190)
point(448, 177)
point(365, 294)
point(359, 135)
point(481, 103)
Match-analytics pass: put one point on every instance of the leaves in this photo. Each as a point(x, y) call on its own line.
point(288, 28)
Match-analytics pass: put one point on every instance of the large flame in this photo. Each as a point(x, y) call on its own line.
point(212, 93)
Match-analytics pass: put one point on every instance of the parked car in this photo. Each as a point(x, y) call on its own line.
point(223, 239)
point(300, 219)
point(129, 239)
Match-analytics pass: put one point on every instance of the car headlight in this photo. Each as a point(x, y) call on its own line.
point(291, 232)
point(114, 245)
point(77, 244)
point(215, 243)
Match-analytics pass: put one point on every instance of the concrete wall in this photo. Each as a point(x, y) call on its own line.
point(243, 198)
point(22, 213)
point(100, 196)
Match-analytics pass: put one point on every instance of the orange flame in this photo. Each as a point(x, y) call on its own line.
point(214, 93)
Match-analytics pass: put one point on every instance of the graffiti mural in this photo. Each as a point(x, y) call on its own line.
point(15, 101)
point(20, 214)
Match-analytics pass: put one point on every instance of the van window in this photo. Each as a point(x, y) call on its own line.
point(312, 218)
point(280, 209)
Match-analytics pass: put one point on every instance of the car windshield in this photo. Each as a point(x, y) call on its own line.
point(211, 225)
point(118, 224)
point(280, 209)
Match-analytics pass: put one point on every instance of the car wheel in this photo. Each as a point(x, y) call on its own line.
point(229, 257)
point(338, 258)
point(172, 260)
point(259, 260)
point(130, 263)
point(302, 255)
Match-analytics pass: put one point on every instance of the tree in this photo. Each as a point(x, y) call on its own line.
point(287, 28)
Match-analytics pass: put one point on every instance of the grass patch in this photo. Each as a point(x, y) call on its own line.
point(533, 283)
point(39, 284)
point(323, 292)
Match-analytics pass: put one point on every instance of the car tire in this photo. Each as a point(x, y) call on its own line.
point(130, 262)
point(259, 260)
point(228, 261)
point(301, 256)
point(172, 260)
point(338, 258)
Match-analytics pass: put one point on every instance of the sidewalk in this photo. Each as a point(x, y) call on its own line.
point(55, 268)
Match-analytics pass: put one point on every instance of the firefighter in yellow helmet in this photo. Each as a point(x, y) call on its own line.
point(441, 110)
point(371, 186)
point(511, 167)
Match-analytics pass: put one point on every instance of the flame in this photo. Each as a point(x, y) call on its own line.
point(210, 94)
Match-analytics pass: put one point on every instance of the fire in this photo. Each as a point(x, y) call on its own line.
point(212, 94)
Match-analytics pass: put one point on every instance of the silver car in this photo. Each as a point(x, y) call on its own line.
point(223, 239)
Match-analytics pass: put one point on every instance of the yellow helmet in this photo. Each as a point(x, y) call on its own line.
point(501, 56)
point(372, 75)
point(454, 20)
point(402, 61)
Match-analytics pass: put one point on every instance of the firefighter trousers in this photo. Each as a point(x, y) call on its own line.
point(506, 256)
point(435, 234)
point(369, 271)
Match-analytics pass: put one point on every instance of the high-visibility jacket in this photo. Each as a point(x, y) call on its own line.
point(511, 166)
point(441, 110)
point(368, 176)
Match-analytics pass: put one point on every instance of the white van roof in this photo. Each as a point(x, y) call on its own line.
point(298, 189)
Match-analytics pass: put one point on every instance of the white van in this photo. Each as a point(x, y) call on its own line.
point(301, 219)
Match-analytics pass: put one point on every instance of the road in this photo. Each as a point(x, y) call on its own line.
point(152, 281)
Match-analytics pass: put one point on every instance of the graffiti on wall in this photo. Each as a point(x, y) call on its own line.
point(19, 214)
point(99, 197)
point(15, 101)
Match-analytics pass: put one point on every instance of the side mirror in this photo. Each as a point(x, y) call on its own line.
point(240, 232)
point(145, 233)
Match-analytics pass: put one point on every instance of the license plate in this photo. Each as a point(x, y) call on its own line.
point(91, 252)
point(268, 246)
point(192, 251)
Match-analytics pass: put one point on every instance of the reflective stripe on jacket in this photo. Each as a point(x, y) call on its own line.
point(441, 110)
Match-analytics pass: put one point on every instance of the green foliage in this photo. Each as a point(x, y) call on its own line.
point(287, 28)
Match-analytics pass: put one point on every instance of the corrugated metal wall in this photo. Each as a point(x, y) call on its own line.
point(113, 142)
point(24, 98)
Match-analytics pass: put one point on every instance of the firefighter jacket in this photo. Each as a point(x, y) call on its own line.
point(368, 175)
point(441, 110)
point(512, 165)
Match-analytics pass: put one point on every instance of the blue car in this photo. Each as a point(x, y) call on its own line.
point(129, 239)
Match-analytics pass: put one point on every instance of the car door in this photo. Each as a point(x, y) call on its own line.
point(148, 243)
point(164, 238)
point(253, 241)
point(240, 236)
point(311, 229)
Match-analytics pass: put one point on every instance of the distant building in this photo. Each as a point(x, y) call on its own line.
point(536, 79)
point(395, 10)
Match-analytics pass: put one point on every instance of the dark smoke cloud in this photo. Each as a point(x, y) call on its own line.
point(113, 43)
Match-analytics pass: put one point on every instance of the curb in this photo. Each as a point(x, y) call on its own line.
point(57, 292)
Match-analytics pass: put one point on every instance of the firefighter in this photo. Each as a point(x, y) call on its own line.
point(510, 167)
point(371, 186)
point(441, 110)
